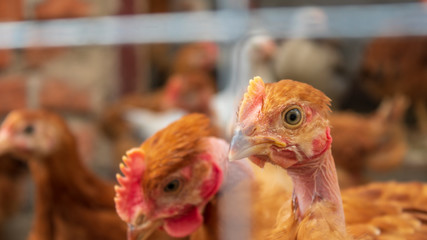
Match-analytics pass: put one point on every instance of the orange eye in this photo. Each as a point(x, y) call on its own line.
point(292, 117)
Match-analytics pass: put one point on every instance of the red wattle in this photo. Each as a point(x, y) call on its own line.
point(185, 224)
point(320, 145)
point(211, 186)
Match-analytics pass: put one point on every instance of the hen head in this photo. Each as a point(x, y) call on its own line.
point(191, 91)
point(198, 56)
point(170, 178)
point(284, 123)
point(32, 133)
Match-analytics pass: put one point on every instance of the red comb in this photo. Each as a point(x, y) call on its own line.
point(252, 100)
point(129, 195)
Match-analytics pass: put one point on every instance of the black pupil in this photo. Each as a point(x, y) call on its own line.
point(29, 129)
point(293, 116)
point(171, 186)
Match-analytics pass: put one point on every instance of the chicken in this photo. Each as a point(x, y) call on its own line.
point(180, 180)
point(257, 51)
point(326, 69)
point(190, 92)
point(397, 65)
point(329, 69)
point(286, 124)
point(368, 142)
point(70, 201)
point(136, 117)
point(13, 173)
point(193, 57)
point(196, 57)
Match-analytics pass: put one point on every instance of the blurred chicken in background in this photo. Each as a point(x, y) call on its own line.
point(376, 142)
point(13, 173)
point(136, 117)
point(317, 62)
point(70, 201)
point(398, 65)
point(201, 56)
point(313, 60)
point(189, 88)
point(259, 52)
point(167, 60)
point(251, 56)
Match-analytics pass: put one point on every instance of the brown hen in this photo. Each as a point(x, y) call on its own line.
point(185, 92)
point(13, 174)
point(397, 65)
point(71, 202)
point(368, 142)
point(286, 124)
point(180, 180)
point(190, 91)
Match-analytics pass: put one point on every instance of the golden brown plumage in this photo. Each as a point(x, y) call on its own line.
point(391, 209)
point(71, 202)
point(13, 173)
point(183, 141)
point(214, 199)
point(279, 123)
point(375, 142)
point(376, 211)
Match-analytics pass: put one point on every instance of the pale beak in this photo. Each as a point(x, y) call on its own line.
point(243, 146)
point(143, 230)
point(4, 142)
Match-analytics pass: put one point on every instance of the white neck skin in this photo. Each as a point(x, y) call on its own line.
point(314, 182)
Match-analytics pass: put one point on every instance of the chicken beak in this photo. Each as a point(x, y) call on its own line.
point(243, 146)
point(143, 230)
point(4, 142)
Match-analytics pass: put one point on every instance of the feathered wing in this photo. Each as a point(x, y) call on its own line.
point(388, 210)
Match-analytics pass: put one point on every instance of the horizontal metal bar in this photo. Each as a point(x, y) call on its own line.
point(358, 21)
point(220, 26)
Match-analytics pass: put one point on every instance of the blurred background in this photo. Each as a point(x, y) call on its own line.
point(119, 70)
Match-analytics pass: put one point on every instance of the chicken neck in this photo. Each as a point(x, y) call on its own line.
point(315, 181)
point(63, 184)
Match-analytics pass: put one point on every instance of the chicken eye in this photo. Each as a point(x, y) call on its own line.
point(293, 117)
point(172, 186)
point(29, 129)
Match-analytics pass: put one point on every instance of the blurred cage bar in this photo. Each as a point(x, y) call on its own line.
point(231, 22)
point(357, 21)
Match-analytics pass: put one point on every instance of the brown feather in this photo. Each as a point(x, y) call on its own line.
point(288, 90)
point(182, 137)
